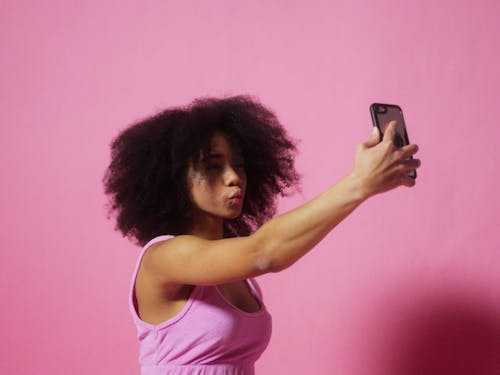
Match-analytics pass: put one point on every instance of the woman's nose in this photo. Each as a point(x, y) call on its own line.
point(231, 176)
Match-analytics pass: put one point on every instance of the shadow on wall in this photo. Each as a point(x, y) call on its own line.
point(447, 336)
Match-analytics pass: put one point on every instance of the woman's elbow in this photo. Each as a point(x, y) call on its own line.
point(268, 259)
point(268, 264)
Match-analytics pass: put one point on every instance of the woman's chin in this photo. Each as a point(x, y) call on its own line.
point(234, 214)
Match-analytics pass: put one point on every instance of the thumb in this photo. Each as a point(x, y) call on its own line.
point(390, 132)
point(374, 138)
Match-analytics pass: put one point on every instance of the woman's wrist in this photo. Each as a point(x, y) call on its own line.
point(358, 187)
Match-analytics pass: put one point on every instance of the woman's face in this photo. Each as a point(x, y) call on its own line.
point(218, 181)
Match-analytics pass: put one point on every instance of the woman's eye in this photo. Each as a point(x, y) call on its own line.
point(214, 167)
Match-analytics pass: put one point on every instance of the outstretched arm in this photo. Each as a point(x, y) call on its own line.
point(378, 167)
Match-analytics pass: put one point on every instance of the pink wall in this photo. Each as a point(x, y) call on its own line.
point(407, 271)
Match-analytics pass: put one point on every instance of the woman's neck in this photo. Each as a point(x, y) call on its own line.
point(210, 228)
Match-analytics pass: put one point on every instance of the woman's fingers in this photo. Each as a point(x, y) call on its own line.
point(402, 169)
point(402, 152)
point(412, 163)
point(407, 151)
point(390, 132)
point(407, 181)
point(374, 138)
point(407, 165)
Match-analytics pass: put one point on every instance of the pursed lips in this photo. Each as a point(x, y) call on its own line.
point(236, 197)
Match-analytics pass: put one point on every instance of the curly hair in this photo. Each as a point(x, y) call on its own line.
point(146, 180)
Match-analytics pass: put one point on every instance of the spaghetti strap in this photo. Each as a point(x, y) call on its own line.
point(255, 288)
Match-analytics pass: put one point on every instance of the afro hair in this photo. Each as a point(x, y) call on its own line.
point(146, 179)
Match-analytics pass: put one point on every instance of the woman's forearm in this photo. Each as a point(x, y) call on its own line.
point(288, 237)
point(378, 167)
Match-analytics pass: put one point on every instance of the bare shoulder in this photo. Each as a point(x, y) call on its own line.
point(171, 247)
point(162, 255)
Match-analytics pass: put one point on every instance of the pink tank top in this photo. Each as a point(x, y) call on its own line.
point(209, 336)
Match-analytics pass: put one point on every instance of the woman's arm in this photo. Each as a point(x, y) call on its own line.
point(286, 238)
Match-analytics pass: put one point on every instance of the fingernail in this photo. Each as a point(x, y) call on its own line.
point(374, 130)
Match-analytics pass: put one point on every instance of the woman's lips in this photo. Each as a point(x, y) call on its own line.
point(236, 199)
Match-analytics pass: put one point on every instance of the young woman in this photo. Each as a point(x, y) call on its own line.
point(196, 187)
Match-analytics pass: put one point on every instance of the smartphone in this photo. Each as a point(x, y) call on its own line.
point(382, 114)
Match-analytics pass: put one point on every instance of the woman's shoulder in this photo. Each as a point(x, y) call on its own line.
point(157, 240)
point(153, 246)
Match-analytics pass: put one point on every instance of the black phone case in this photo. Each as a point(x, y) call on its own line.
point(400, 119)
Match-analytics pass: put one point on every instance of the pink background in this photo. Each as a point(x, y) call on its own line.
point(408, 281)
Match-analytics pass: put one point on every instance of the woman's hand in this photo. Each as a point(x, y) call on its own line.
point(381, 166)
